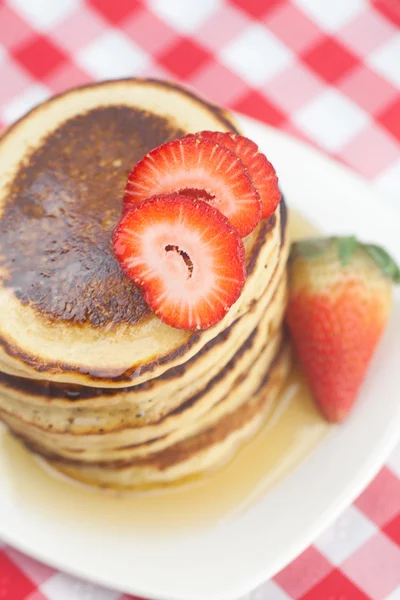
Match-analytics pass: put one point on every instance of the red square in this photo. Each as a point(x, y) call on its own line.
point(218, 83)
point(392, 529)
point(390, 9)
point(370, 153)
point(13, 29)
point(293, 27)
point(115, 11)
point(304, 573)
point(368, 89)
point(255, 8)
point(380, 501)
point(184, 58)
point(67, 77)
point(141, 23)
point(39, 56)
point(390, 118)
point(13, 583)
point(336, 585)
point(257, 106)
point(330, 60)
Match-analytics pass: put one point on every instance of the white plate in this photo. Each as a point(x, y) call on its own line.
point(226, 561)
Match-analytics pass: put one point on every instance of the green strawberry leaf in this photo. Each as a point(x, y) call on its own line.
point(384, 261)
point(347, 246)
point(346, 249)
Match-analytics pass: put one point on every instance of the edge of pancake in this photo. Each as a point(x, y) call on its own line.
point(258, 338)
point(186, 404)
point(130, 374)
point(223, 117)
point(74, 393)
point(108, 376)
point(283, 220)
point(58, 260)
point(222, 114)
point(184, 448)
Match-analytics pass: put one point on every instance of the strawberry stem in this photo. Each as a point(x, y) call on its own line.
point(347, 247)
point(384, 261)
point(314, 248)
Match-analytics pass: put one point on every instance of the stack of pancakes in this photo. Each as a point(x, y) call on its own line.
point(90, 379)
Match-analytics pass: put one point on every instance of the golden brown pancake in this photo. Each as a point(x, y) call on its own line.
point(99, 428)
point(68, 313)
point(149, 401)
point(90, 379)
point(206, 448)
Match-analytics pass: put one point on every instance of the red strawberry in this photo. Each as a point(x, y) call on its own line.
point(339, 302)
point(259, 168)
point(202, 169)
point(185, 255)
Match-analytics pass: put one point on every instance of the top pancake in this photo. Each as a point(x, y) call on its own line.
point(67, 311)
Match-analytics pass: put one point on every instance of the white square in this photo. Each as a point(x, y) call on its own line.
point(267, 591)
point(256, 55)
point(112, 55)
point(331, 15)
point(386, 59)
point(393, 172)
point(21, 104)
point(331, 119)
point(349, 532)
point(66, 587)
point(44, 14)
point(183, 15)
point(395, 595)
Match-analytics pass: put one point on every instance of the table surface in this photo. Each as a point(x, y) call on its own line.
point(327, 71)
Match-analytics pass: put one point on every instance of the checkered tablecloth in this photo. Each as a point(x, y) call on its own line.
point(327, 71)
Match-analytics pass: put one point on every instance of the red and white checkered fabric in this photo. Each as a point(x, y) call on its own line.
point(293, 65)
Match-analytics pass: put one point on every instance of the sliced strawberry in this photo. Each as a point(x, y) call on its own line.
point(203, 169)
point(186, 256)
point(259, 168)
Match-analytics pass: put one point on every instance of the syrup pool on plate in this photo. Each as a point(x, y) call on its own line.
point(293, 429)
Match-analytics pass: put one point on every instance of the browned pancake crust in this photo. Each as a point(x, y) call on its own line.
point(137, 370)
point(75, 392)
point(188, 403)
point(62, 206)
point(56, 254)
point(61, 210)
point(183, 449)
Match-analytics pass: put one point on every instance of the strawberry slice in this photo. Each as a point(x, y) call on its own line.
point(185, 255)
point(259, 168)
point(200, 168)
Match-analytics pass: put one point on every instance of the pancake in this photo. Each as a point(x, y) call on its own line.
point(90, 379)
point(137, 407)
point(99, 430)
point(67, 406)
point(68, 314)
point(205, 450)
point(145, 398)
point(204, 407)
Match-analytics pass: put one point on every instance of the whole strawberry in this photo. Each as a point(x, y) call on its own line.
point(339, 302)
